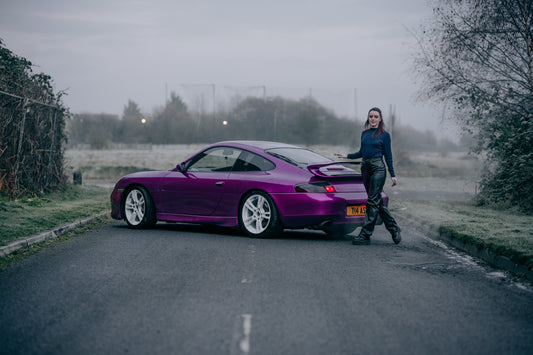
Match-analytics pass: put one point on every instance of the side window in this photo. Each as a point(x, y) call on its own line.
point(252, 162)
point(215, 159)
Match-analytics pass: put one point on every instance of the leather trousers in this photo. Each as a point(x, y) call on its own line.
point(374, 176)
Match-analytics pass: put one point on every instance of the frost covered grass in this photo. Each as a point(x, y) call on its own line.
point(143, 156)
point(430, 176)
point(112, 163)
point(504, 232)
point(107, 166)
point(29, 215)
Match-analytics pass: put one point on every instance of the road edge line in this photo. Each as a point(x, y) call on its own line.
point(490, 257)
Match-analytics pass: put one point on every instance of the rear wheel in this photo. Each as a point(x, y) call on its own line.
point(139, 211)
point(258, 215)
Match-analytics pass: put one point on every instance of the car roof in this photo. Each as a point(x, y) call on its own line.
point(262, 145)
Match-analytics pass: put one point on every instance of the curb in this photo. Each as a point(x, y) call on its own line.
point(54, 233)
point(489, 256)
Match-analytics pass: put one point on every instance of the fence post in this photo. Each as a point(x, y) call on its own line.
point(19, 149)
point(52, 141)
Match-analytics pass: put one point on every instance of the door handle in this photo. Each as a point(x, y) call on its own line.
point(219, 183)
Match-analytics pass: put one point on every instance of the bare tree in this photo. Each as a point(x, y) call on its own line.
point(477, 57)
point(32, 122)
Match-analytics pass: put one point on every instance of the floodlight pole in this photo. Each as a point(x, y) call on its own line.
point(214, 102)
point(355, 102)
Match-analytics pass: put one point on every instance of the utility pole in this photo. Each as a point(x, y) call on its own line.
point(355, 103)
point(392, 113)
point(214, 102)
point(275, 124)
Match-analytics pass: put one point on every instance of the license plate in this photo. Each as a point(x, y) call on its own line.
point(356, 210)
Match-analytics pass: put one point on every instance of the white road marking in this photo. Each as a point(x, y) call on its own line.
point(244, 344)
point(243, 326)
point(479, 265)
point(249, 273)
point(240, 344)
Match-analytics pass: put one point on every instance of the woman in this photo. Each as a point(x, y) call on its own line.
point(375, 144)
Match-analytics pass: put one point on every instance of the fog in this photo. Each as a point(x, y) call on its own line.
point(424, 176)
point(349, 55)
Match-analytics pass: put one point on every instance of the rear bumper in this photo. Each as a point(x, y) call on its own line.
point(299, 210)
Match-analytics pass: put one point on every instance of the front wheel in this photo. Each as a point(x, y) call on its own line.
point(139, 209)
point(258, 215)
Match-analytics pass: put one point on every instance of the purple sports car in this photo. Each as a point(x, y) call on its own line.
point(261, 187)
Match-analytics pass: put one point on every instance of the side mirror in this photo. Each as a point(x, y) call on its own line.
point(180, 167)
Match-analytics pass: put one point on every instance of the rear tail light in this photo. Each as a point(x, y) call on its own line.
point(315, 187)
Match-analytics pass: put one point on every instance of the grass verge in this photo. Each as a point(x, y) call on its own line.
point(29, 215)
point(506, 233)
point(37, 247)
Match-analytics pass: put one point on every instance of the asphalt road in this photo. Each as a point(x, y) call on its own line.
point(182, 289)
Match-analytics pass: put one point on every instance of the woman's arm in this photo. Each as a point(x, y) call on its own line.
point(387, 152)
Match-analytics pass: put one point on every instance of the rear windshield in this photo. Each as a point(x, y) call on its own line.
point(297, 156)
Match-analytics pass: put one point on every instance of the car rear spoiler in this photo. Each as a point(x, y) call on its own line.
point(333, 169)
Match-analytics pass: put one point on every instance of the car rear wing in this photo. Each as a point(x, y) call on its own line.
point(333, 169)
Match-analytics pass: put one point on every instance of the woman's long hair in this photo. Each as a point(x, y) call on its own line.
point(381, 126)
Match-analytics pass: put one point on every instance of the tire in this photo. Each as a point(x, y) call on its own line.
point(258, 215)
point(139, 211)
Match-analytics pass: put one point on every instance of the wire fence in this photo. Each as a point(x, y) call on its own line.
point(31, 149)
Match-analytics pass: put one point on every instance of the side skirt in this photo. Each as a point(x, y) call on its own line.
point(219, 221)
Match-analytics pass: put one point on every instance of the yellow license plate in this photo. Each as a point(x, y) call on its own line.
point(356, 210)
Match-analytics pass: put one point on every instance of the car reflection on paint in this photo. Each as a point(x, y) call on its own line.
point(260, 187)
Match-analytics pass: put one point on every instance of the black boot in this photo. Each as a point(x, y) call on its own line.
point(396, 236)
point(361, 240)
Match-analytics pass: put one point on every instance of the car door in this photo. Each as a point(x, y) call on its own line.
point(198, 189)
point(249, 172)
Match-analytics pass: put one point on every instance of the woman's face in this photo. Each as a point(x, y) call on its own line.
point(374, 118)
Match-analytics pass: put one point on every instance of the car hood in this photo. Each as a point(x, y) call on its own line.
point(141, 176)
point(146, 174)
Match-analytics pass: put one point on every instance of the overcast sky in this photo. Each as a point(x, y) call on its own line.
point(106, 52)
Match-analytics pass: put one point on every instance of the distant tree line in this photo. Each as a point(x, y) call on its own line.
point(303, 122)
point(32, 122)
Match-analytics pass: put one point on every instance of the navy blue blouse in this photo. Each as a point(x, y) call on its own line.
point(375, 147)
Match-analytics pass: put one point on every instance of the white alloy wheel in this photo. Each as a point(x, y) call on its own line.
point(135, 207)
point(258, 216)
